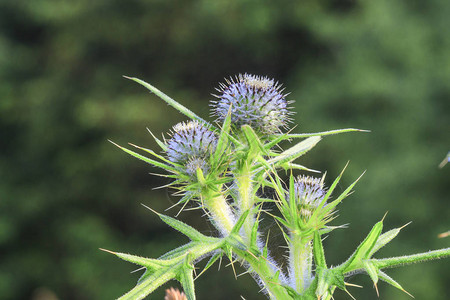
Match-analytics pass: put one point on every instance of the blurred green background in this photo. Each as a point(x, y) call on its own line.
point(65, 191)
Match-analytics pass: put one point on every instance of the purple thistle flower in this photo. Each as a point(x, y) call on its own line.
point(191, 145)
point(255, 100)
point(309, 192)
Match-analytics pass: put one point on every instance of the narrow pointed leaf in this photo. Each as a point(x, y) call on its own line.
point(151, 152)
point(146, 159)
point(254, 143)
point(149, 263)
point(180, 251)
point(319, 254)
point(150, 283)
point(211, 261)
point(185, 229)
point(364, 249)
point(278, 139)
point(254, 234)
point(330, 206)
point(332, 187)
point(383, 276)
point(323, 133)
point(384, 239)
point(222, 142)
point(371, 270)
point(182, 109)
point(296, 151)
point(240, 222)
point(289, 166)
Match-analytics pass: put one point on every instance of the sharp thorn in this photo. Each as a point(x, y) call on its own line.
point(384, 216)
point(405, 225)
point(376, 289)
point(109, 251)
point(149, 208)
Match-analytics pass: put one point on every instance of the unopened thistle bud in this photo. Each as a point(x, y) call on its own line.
point(254, 100)
point(191, 145)
point(309, 192)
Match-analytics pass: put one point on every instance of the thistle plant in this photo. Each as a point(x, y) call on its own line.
point(221, 167)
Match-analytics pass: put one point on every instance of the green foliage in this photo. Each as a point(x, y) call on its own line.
point(381, 65)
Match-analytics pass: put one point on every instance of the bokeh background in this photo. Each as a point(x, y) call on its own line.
point(65, 191)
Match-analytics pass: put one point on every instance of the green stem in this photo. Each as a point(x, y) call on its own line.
point(410, 259)
point(219, 210)
point(300, 261)
point(246, 201)
point(266, 273)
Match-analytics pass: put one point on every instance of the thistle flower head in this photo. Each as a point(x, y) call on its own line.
point(309, 192)
point(255, 100)
point(190, 146)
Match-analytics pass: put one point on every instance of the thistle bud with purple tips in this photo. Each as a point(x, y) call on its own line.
point(254, 100)
point(190, 146)
point(309, 192)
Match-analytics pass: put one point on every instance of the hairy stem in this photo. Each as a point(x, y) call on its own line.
point(300, 263)
point(245, 188)
point(220, 211)
point(410, 259)
point(266, 273)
